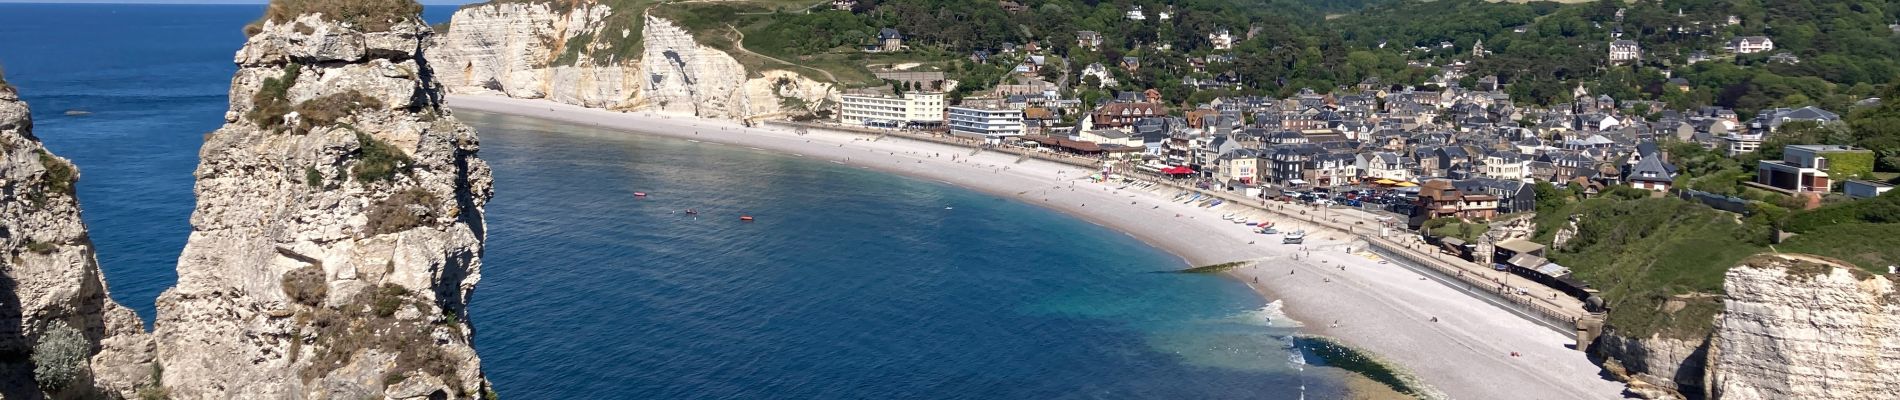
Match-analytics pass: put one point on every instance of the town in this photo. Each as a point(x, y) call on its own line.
point(1436, 155)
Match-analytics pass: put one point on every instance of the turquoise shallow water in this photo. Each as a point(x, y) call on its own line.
point(852, 284)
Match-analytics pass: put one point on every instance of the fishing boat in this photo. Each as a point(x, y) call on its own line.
point(1296, 237)
point(690, 211)
point(639, 194)
point(746, 218)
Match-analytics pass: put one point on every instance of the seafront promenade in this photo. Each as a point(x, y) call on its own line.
point(1449, 339)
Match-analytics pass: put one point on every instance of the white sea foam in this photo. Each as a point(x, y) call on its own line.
point(1271, 315)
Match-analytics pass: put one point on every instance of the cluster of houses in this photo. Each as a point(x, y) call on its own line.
point(1465, 153)
point(1462, 152)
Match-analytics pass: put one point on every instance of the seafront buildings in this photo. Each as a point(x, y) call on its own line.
point(986, 123)
point(908, 110)
point(1445, 149)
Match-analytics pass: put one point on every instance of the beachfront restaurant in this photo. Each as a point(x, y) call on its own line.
point(1526, 259)
point(1084, 149)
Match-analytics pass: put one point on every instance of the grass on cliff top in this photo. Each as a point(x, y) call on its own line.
point(3, 79)
point(365, 15)
point(1659, 262)
point(1642, 253)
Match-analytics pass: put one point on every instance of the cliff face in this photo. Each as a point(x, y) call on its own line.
point(50, 281)
point(540, 50)
point(1791, 327)
point(511, 48)
point(1655, 367)
point(338, 231)
point(1798, 327)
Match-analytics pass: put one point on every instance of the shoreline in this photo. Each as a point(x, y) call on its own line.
point(1347, 296)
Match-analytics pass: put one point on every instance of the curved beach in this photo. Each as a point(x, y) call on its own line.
point(1381, 308)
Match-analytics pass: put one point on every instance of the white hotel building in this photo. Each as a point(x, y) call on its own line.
point(991, 124)
point(910, 110)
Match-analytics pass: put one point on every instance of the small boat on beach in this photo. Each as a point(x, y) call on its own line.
point(1227, 217)
point(1269, 231)
point(1296, 237)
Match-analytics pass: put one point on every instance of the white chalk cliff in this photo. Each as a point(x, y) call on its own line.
point(337, 234)
point(1792, 327)
point(521, 49)
point(1797, 327)
point(50, 279)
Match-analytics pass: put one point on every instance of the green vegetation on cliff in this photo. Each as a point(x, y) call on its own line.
point(1660, 262)
point(272, 101)
point(370, 321)
point(1644, 253)
point(363, 15)
point(377, 160)
point(1541, 50)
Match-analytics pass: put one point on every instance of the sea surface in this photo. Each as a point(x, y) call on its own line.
point(851, 284)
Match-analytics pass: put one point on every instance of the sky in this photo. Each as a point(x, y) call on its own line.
point(428, 2)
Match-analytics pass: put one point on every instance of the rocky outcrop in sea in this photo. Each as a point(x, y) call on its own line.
point(339, 226)
point(61, 335)
point(569, 52)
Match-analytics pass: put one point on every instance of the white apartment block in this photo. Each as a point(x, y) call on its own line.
point(992, 124)
point(909, 110)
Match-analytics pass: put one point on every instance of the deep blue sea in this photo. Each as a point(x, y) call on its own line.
point(851, 285)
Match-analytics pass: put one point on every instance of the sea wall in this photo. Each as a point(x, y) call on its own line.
point(566, 53)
